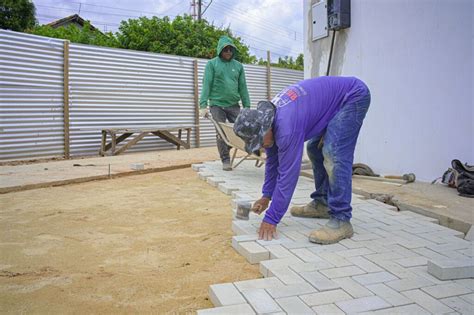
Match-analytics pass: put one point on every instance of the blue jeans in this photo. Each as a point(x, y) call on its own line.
point(332, 164)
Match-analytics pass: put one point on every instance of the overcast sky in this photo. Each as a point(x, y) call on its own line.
point(275, 25)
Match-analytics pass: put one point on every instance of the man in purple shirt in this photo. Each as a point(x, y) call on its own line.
point(328, 113)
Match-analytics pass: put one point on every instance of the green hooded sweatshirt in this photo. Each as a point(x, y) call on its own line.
point(224, 81)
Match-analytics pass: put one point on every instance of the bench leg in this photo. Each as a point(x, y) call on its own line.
point(179, 137)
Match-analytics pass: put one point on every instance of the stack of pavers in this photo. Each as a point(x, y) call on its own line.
point(396, 262)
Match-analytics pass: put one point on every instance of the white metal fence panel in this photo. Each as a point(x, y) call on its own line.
point(281, 78)
point(108, 88)
point(125, 88)
point(31, 96)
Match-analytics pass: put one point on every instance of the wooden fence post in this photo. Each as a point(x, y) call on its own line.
point(66, 98)
point(197, 133)
point(269, 77)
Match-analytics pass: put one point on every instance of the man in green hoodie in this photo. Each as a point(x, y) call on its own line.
point(223, 86)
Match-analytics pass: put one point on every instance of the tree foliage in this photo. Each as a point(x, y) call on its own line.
point(84, 35)
point(286, 62)
point(17, 15)
point(182, 36)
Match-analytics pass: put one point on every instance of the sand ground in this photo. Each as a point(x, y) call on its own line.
point(145, 243)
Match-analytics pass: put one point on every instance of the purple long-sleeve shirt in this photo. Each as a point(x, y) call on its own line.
point(303, 111)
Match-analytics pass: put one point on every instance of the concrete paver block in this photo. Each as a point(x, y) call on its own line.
point(286, 275)
point(227, 188)
point(411, 309)
point(327, 297)
point(242, 309)
point(364, 304)
point(364, 264)
point(389, 295)
point(253, 252)
point(291, 290)
point(353, 288)
point(197, 167)
point(265, 283)
point(376, 277)
point(261, 302)
point(446, 290)
point(225, 294)
point(470, 234)
point(243, 228)
point(458, 304)
point(331, 309)
point(469, 298)
point(427, 302)
point(294, 305)
point(204, 175)
point(319, 281)
point(412, 261)
point(342, 272)
point(214, 181)
point(448, 269)
point(409, 284)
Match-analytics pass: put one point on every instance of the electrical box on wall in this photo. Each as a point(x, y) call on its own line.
point(330, 15)
point(319, 14)
point(339, 14)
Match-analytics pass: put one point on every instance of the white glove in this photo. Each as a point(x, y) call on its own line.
point(204, 112)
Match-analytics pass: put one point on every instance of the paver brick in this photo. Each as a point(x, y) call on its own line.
point(291, 290)
point(448, 269)
point(411, 309)
point(446, 290)
point(319, 281)
point(364, 304)
point(409, 284)
point(253, 252)
point(326, 297)
point(459, 305)
point(331, 309)
point(412, 261)
point(265, 283)
point(306, 255)
point(242, 309)
point(225, 294)
point(427, 302)
point(354, 252)
point(364, 264)
point(286, 275)
point(342, 272)
point(389, 295)
point(261, 302)
point(376, 277)
point(352, 287)
point(294, 305)
point(334, 259)
point(469, 298)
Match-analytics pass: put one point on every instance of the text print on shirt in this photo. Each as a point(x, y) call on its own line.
point(288, 95)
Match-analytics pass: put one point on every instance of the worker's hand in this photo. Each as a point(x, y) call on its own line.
point(260, 205)
point(267, 231)
point(204, 112)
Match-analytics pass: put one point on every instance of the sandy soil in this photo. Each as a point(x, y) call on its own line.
point(147, 243)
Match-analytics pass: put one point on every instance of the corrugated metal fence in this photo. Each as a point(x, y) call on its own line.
point(107, 88)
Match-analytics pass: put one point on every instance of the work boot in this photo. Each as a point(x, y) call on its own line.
point(226, 166)
point(311, 210)
point(334, 231)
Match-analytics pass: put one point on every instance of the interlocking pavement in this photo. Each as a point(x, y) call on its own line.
point(396, 262)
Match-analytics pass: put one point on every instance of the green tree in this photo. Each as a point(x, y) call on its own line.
point(286, 62)
point(182, 36)
point(75, 34)
point(17, 15)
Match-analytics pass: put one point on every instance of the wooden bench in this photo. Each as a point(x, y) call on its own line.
point(118, 135)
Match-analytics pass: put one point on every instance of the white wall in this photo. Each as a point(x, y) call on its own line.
point(417, 59)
